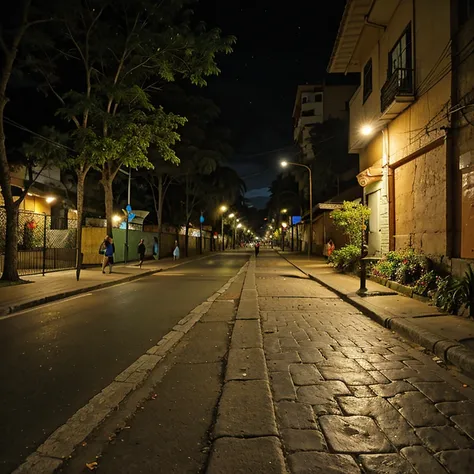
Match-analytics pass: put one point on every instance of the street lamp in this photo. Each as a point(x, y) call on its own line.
point(284, 225)
point(284, 164)
point(223, 209)
point(367, 130)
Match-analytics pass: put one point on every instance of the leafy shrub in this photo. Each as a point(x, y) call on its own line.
point(352, 218)
point(425, 284)
point(448, 294)
point(405, 267)
point(467, 290)
point(346, 258)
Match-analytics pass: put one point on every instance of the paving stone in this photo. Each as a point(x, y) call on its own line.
point(389, 364)
point(246, 364)
point(361, 391)
point(439, 391)
point(310, 356)
point(289, 356)
point(424, 375)
point(464, 407)
point(322, 463)
point(279, 365)
point(241, 456)
point(339, 363)
point(460, 461)
point(422, 460)
point(378, 377)
point(371, 357)
point(321, 392)
point(418, 410)
point(385, 464)
point(282, 386)
point(352, 352)
point(399, 374)
point(466, 423)
point(300, 335)
point(365, 364)
point(348, 376)
point(305, 374)
point(303, 440)
point(245, 409)
point(295, 415)
point(288, 343)
point(271, 344)
point(443, 438)
point(402, 357)
point(246, 334)
point(328, 408)
point(395, 427)
point(354, 434)
point(377, 350)
point(391, 389)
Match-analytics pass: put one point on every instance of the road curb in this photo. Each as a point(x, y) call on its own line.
point(78, 291)
point(246, 421)
point(61, 444)
point(447, 349)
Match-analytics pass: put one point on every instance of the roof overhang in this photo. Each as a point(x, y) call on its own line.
point(360, 17)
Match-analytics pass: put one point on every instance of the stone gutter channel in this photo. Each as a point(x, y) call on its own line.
point(245, 433)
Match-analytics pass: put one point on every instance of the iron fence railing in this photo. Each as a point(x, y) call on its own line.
point(399, 83)
point(45, 243)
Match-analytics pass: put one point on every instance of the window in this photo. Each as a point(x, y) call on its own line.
point(367, 82)
point(307, 113)
point(400, 55)
point(304, 99)
point(465, 10)
point(318, 97)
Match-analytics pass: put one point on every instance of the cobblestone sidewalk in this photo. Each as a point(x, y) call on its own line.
point(351, 396)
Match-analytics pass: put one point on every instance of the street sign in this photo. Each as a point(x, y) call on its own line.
point(131, 216)
point(128, 208)
point(201, 219)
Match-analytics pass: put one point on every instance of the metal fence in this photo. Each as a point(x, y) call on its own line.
point(45, 243)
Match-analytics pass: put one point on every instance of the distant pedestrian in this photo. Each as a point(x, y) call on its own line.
point(109, 250)
point(141, 252)
point(257, 248)
point(155, 248)
point(176, 251)
point(330, 247)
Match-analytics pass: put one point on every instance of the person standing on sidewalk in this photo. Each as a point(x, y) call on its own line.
point(108, 254)
point(141, 252)
point(257, 248)
point(155, 248)
point(176, 250)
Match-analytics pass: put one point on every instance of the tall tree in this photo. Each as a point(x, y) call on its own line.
point(18, 25)
point(124, 51)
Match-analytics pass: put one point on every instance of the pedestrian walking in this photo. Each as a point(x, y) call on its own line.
point(155, 248)
point(257, 248)
point(108, 252)
point(141, 252)
point(176, 251)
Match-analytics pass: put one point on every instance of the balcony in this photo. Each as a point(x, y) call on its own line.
point(397, 93)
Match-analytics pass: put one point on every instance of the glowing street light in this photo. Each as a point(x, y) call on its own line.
point(232, 215)
point(366, 130)
point(284, 211)
point(284, 164)
point(223, 209)
point(116, 218)
point(50, 199)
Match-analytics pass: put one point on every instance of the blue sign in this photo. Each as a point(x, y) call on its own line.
point(295, 219)
point(131, 216)
point(128, 208)
point(201, 219)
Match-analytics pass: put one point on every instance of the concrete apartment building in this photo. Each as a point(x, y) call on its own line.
point(402, 119)
point(315, 104)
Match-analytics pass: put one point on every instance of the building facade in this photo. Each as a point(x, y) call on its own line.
point(401, 121)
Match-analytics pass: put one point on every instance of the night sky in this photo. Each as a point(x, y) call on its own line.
point(279, 46)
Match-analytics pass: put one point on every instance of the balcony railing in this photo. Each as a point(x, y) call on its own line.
point(400, 83)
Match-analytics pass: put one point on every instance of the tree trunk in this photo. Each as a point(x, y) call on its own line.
point(107, 181)
point(187, 213)
point(160, 211)
point(10, 264)
point(81, 178)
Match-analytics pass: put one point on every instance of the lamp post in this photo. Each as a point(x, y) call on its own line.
point(284, 225)
point(233, 216)
point(223, 209)
point(284, 164)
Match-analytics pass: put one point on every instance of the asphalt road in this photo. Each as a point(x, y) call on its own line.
point(55, 358)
